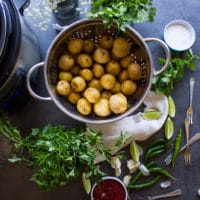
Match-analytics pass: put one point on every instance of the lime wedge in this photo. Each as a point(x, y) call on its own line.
point(169, 128)
point(86, 183)
point(171, 107)
point(151, 115)
point(135, 151)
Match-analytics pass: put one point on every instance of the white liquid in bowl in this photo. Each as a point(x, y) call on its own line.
point(179, 35)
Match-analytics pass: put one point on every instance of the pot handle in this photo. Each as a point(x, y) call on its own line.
point(28, 83)
point(167, 52)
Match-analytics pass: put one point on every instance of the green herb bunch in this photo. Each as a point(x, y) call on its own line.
point(58, 154)
point(164, 83)
point(122, 12)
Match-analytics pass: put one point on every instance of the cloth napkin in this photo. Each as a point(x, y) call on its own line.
point(138, 128)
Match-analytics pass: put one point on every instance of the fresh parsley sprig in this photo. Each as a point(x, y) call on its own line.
point(59, 154)
point(164, 83)
point(122, 12)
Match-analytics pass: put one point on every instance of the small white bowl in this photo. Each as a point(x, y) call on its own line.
point(179, 35)
point(123, 187)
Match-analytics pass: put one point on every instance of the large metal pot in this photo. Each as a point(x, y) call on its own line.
point(95, 29)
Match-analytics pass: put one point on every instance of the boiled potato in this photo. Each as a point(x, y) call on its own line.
point(120, 47)
point(84, 60)
point(96, 84)
point(113, 67)
point(128, 87)
point(78, 84)
point(83, 106)
point(106, 94)
point(88, 46)
point(116, 88)
point(86, 74)
point(108, 81)
point(134, 71)
point(67, 76)
point(65, 62)
point(102, 108)
point(75, 70)
point(92, 94)
point(75, 45)
point(123, 76)
point(118, 103)
point(73, 97)
point(101, 56)
point(106, 42)
point(125, 61)
point(98, 70)
point(63, 87)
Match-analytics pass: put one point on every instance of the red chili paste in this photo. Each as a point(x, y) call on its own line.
point(109, 189)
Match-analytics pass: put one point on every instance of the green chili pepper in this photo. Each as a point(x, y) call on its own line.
point(139, 173)
point(146, 184)
point(177, 146)
point(156, 142)
point(161, 171)
point(153, 149)
point(156, 153)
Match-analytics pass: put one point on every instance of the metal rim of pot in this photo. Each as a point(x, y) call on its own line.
point(52, 93)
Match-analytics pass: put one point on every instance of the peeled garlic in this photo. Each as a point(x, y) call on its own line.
point(116, 164)
point(126, 179)
point(132, 165)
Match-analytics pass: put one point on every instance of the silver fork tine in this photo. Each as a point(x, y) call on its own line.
point(196, 137)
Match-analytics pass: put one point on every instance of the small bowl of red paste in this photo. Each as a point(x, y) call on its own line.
point(109, 188)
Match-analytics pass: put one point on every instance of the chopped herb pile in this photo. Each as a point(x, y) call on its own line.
point(122, 12)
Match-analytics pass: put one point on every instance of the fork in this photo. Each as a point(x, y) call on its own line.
point(190, 110)
point(196, 137)
point(187, 154)
point(170, 194)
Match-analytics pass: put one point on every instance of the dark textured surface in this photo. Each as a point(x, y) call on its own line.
point(14, 179)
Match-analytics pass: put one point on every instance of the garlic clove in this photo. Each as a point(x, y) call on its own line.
point(126, 179)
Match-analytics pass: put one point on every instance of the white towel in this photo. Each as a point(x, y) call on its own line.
point(139, 128)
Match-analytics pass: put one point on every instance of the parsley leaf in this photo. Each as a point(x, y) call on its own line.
point(122, 12)
point(164, 83)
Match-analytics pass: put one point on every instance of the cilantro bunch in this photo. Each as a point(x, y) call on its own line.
point(122, 12)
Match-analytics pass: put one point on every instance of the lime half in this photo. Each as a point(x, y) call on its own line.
point(134, 151)
point(171, 107)
point(151, 115)
point(86, 183)
point(169, 128)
